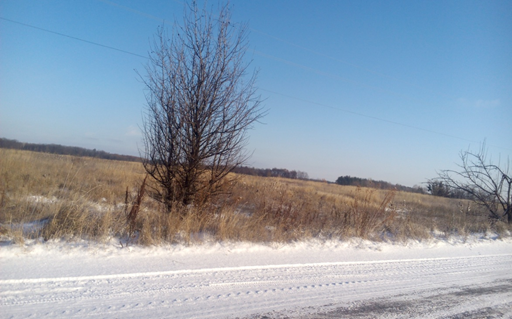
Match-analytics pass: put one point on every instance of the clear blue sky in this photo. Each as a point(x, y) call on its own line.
point(388, 90)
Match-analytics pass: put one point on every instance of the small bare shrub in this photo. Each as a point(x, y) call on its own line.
point(132, 215)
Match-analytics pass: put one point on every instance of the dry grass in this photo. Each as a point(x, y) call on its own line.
point(63, 196)
point(53, 197)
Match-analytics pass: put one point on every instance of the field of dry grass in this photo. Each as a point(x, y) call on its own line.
point(48, 196)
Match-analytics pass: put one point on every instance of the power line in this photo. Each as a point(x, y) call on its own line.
point(377, 118)
point(74, 38)
point(365, 115)
point(382, 75)
point(256, 52)
point(147, 15)
point(322, 73)
point(335, 76)
point(270, 91)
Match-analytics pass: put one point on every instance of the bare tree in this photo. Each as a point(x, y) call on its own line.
point(199, 106)
point(438, 188)
point(485, 183)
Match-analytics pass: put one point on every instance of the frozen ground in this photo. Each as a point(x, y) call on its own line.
point(354, 279)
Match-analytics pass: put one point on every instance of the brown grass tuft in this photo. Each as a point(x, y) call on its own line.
point(55, 197)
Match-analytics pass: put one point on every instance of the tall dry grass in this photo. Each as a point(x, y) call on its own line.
point(63, 197)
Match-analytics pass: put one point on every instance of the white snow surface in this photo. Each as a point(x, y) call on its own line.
point(313, 279)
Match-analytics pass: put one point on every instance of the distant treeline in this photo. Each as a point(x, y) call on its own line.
point(263, 172)
point(274, 172)
point(79, 151)
point(364, 182)
point(65, 150)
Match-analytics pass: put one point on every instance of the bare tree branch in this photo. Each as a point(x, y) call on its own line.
point(487, 184)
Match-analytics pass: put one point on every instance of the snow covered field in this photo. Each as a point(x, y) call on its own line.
point(440, 278)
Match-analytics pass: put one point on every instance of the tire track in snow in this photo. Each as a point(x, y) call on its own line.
point(304, 273)
point(239, 277)
point(226, 269)
point(230, 290)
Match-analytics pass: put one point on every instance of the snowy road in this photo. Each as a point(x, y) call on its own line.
point(396, 281)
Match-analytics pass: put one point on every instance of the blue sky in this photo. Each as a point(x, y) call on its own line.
point(389, 90)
